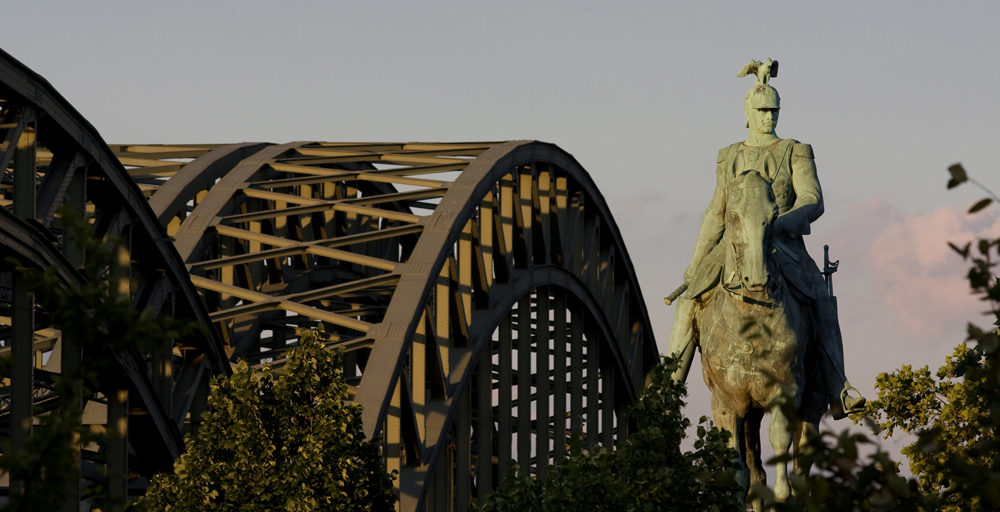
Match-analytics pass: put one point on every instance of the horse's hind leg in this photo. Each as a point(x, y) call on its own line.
point(730, 422)
point(781, 441)
point(801, 446)
point(751, 432)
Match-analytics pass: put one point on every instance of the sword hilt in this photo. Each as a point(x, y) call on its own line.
point(669, 299)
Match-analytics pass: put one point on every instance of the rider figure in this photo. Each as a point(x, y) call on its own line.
point(789, 166)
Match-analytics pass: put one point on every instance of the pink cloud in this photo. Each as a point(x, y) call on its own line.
point(907, 263)
point(632, 207)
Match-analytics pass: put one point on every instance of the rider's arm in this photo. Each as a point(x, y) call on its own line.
point(712, 222)
point(809, 196)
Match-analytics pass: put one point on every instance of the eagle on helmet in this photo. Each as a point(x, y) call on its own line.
point(761, 95)
point(764, 70)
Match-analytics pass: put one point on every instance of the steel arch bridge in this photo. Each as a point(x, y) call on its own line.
point(481, 291)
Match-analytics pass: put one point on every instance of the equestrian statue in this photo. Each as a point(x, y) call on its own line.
point(754, 301)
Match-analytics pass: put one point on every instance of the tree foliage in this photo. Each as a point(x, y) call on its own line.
point(279, 440)
point(647, 472)
point(947, 411)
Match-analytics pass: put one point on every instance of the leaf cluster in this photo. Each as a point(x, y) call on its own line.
point(959, 176)
point(955, 415)
point(647, 472)
point(279, 440)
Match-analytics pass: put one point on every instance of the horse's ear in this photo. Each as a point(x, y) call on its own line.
point(738, 164)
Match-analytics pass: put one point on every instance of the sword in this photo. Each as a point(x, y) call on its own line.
point(829, 267)
point(669, 299)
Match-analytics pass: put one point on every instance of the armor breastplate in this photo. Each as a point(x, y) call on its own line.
point(773, 162)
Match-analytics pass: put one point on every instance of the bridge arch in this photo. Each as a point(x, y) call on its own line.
point(420, 258)
point(481, 291)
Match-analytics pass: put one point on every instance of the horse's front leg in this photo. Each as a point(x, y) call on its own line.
point(781, 441)
point(751, 432)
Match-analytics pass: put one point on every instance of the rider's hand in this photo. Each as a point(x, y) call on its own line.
point(791, 223)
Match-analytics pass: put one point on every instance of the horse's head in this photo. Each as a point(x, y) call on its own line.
point(750, 214)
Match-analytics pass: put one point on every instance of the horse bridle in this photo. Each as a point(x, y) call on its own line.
point(770, 304)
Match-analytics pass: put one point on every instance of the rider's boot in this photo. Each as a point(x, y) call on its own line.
point(845, 404)
point(842, 402)
point(682, 337)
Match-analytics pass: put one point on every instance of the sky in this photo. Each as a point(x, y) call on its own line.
point(642, 93)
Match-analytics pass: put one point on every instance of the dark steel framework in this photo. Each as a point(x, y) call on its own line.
point(481, 291)
point(50, 156)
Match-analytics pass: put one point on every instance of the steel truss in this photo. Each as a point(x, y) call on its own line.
point(481, 291)
point(50, 157)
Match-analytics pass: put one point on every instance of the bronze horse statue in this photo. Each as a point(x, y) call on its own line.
point(754, 338)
